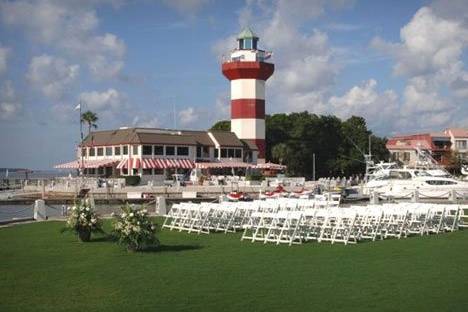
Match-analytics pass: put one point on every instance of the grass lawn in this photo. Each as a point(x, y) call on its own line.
point(44, 270)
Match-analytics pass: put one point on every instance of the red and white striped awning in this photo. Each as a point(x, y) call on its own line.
point(270, 166)
point(76, 164)
point(222, 164)
point(129, 163)
point(160, 163)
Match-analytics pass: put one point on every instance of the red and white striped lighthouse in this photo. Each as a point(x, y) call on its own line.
point(248, 72)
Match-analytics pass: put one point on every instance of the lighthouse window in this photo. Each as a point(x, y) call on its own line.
point(247, 44)
point(182, 151)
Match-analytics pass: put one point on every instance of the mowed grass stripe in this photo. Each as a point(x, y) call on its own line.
point(44, 270)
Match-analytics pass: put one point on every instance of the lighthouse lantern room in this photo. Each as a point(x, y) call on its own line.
point(248, 71)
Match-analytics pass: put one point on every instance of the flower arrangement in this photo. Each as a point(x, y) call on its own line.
point(83, 220)
point(134, 229)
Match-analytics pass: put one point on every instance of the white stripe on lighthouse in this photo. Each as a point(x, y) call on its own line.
point(247, 89)
point(248, 128)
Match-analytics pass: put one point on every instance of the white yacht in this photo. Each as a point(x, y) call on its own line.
point(401, 183)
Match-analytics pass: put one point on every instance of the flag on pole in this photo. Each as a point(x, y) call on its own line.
point(77, 107)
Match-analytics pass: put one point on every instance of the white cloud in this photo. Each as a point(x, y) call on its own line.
point(72, 28)
point(10, 105)
point(110, 101)
point(146, 122)
point(52, 75)
point(188, 116)
point(429, 56)
point(4, 53)
point(305, 69)
point(379, 109)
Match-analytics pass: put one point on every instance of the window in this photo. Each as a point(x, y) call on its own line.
point(182, 150)
point(170, 150)
point(101, 170)
point(83, 152)
point(147, 171)
point(92, 151)
point(147, 150)
point(124, 171)
point(135, 171)
point(238, 153)
point(460, 144)
point(100, 151)
point(158, 150)
point(216, 153)
point(117, 150)
point(223, 153)
point(406, 156)
point(91, 170)
point(135, 150)
point(248, 44)
point(108, 151)
point(125, 150)
point(230, 152)
point(158, 171)
point(199, 151)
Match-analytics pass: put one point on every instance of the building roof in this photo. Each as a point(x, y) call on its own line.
point(247, 33)
point(250, 145)
point(160, 136)
point(226, 138)
point(458, 132)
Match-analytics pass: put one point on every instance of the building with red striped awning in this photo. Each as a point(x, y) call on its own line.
point(150, 153)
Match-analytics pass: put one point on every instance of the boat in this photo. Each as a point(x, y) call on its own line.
point(403, 182)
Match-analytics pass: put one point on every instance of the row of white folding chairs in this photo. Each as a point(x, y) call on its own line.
point(226, 216)
point(349, 225)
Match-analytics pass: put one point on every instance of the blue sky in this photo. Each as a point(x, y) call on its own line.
point(400, 64)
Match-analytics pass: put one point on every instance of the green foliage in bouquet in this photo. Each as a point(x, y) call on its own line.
point(134, 230)
point(83, 220)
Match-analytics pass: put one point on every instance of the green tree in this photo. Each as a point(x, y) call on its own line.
point(280, 152)
point(339, 146)
point(224, 125)
point(90, 118)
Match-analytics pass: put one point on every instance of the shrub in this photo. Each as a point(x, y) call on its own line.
point(132, 180)
point(255, 177)
point(134, 229)
point(83, 220)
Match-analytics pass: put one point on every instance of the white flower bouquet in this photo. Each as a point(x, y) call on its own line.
point(134, 229)
point(83, 220)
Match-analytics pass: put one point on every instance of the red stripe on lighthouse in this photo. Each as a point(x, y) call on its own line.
point(248, 108)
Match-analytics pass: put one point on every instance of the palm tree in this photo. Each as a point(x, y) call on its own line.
point(90, 118)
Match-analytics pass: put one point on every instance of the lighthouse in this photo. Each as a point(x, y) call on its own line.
point(248, 71)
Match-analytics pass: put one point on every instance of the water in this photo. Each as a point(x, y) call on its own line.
point(10, 212)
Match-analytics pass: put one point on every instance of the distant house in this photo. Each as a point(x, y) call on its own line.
point(156, 153)
point(405, 148)
point(459, 139)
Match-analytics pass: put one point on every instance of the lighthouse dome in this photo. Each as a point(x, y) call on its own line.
point(247, 39)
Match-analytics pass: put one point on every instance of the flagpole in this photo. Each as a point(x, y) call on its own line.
point(81, 142)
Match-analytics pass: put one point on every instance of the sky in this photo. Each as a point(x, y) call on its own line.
point(400, 64)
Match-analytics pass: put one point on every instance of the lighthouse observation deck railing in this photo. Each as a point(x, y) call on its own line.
point(259, 56)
